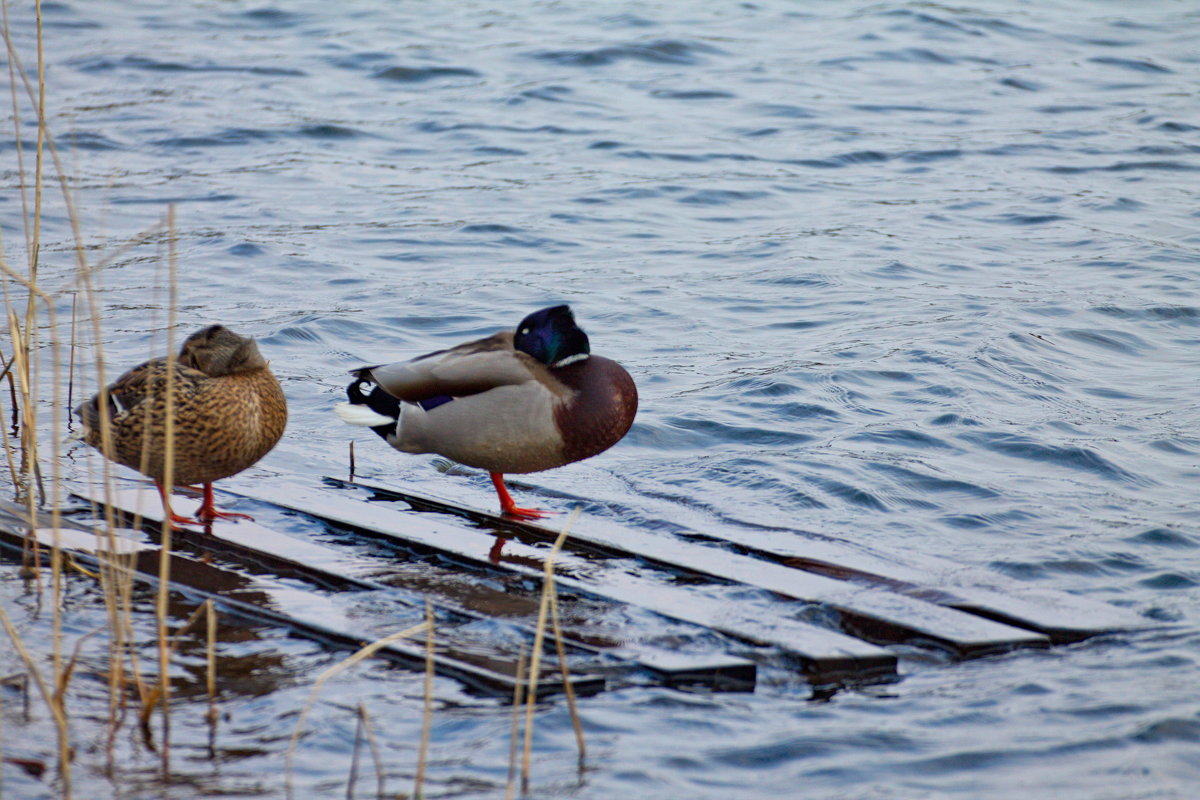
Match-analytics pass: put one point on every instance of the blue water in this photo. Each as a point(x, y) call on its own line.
point(914, 275)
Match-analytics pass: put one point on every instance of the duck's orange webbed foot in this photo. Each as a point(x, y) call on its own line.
point(526, 513)
point(509, 508)
point(208, 513)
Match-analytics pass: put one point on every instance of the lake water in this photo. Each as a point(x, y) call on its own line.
point(919, 276)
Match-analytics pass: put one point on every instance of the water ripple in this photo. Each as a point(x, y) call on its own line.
point(1071, 457)
point(662, 51)
point(922, 285)
point(424, 74)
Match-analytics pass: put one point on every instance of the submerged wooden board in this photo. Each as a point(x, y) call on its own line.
point(1060, 616)
point(872, 612)
point(267, 601)
point(330, 567)
point(824, 655)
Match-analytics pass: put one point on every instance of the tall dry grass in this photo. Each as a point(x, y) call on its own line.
point(31, 360)
point(34, 368)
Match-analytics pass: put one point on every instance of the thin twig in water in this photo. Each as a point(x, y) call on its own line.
point(358, 737)
point(211, 716)
point(161, 609)
point(427, 714)
point(564, 668)
point(71, 366)
point(535, 660)
point(518, 699)
point(380, 778)
point(360, 654)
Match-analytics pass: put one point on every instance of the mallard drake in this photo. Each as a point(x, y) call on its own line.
point(516, 401)
point(229, 412)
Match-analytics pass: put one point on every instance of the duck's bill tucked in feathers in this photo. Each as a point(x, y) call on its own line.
point(227, 412)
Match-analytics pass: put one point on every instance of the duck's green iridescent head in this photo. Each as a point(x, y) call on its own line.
point(552, 337)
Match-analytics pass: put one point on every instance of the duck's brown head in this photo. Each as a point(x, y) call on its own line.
point(218, 351)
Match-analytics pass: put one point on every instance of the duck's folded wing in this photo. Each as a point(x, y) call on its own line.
point(128, 394)
point(464, 370)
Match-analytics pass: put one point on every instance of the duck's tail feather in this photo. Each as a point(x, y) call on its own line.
point(89, 411)
point(362, 416)
point(376, 409)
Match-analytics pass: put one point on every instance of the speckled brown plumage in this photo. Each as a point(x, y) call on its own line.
point(229, 411)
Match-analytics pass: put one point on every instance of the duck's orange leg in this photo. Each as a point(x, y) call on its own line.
point(508, 507)
point(171, 515)
point(208, 512)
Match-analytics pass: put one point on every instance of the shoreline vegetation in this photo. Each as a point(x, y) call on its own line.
point(41, 366)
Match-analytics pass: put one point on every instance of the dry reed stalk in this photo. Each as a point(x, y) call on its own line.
point(16, 115)
point(212, 717)
point(8, 448)
point(363, 730)
point(539, 636)
point(363, 653)
point(376, 758)
point(518, 699)
point(427, 713)
point(358, 737)
point(25, 408)
point(155, 694)
point(24, 399)
point(56, 709)
point(64, 678)
point(168, 481)
point(19, 71)
point(21, 680)
point(117, 574)
point(71, 367)
point(565, 669)
point(29, 442)
point(10, 457)
point(26, 374)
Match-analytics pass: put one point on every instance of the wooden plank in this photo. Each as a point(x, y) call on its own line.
point(265, 601)
point(823, 654)
point(1061, 616)
point(331, 567)
point(876, 613)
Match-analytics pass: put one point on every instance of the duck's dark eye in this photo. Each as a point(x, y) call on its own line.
point(524, 331)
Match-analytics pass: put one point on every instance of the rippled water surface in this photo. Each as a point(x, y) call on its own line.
point(919, 276)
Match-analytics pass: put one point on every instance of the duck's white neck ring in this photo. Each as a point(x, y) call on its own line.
point(569, 360)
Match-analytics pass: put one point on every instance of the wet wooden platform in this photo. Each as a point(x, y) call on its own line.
point(271, 601)
point(1059, 616)
point(255, 546)
point(829, 608)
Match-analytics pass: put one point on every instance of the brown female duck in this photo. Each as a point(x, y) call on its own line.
point(520, 401)
point(229, 411)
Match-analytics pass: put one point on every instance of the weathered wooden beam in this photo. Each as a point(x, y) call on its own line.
point(267, 601)
point(290, 556)
point(872, 612)
point(1060, 616)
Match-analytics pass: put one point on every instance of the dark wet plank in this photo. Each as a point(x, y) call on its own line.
point(262, 600)
point(1060, 616)
point(328, 567)
point(873, 612)
point(824, 655)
